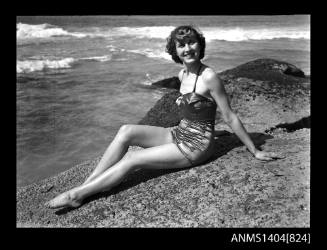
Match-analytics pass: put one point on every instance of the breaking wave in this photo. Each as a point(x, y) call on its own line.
point(25, 31)
point(217, 33)
point(152, 53)
point(28, 66)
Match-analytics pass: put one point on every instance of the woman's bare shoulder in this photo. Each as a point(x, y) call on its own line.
point(209, 76)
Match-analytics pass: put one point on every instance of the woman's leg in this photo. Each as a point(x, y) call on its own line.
point(160, 157)
point(130, 135)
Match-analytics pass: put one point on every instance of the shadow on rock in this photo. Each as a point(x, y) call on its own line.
point(305, 122)
point(66, 210)
point(224, 142)
point(227, 141)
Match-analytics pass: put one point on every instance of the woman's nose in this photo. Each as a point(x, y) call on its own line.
point(187, 47)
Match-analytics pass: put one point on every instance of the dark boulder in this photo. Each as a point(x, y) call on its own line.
point(293, 71)
point(171, 83)
point(267, 70)
point(165, 112)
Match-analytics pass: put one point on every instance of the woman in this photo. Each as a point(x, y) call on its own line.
point(187, 145)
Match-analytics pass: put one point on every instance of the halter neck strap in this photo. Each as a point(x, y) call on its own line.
point(196, 79)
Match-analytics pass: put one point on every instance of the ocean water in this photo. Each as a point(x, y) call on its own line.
point(79, 78)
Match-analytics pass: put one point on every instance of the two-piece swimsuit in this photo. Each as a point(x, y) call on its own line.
point(195, 133)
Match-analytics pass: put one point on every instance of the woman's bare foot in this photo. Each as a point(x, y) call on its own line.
point(67, 199)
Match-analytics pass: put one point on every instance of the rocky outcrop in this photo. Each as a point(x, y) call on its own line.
point(172, 83)
point(268, 70)
point(232, 189)
point(165, 112)
point(264, 96)
point(260, 92)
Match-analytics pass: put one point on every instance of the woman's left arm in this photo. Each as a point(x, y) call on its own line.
point(217, 91)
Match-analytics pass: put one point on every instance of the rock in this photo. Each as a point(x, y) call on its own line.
point(231, 190)
point(268, 70)
point(293, 71)
point(263, 96)
point(165, 112)
point(172, 83)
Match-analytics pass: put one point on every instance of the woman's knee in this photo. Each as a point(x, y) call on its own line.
point(131, 159)
point(125, 133)
point(130, 156)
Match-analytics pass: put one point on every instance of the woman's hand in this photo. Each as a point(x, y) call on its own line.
point(267, 156)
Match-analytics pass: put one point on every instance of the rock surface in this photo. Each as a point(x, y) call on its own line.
point(165, 112)
point(232, 189)
point(172, 83)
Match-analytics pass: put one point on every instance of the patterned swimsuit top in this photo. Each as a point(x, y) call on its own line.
point(196, 107)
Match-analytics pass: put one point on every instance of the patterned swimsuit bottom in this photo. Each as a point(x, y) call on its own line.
point(194, 139)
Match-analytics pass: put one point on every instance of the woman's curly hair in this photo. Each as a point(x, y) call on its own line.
point(178, 34)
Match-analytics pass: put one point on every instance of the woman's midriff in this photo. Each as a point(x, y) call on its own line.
point(194, 139)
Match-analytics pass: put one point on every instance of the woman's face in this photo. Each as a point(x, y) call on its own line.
point(188, 50)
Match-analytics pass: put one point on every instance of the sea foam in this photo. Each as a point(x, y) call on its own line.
point(243, 34)
point(28, 66)
point(213, 33)
point(104, 58)
point(152, 53)
point(161, 32)
point(26, 31)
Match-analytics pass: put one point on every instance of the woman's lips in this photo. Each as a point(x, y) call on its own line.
point(189, 55)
